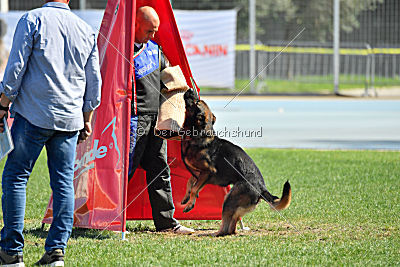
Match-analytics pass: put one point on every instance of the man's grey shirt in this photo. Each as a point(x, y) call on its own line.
point(53, 72)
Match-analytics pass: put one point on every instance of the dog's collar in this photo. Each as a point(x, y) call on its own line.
point(203, 144)
point(186, 138)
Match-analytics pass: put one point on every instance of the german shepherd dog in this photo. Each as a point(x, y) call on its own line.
point(212, 160)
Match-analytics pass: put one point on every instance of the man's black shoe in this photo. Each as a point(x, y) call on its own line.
point(11, 260)
point(52, 258)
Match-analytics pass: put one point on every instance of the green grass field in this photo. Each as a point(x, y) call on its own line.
point(306, 84)
point(345, 211)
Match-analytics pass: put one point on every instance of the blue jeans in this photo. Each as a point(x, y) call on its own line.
point(29, 141)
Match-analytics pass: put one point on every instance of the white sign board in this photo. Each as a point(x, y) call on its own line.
point(91, 17)
point(209, 38)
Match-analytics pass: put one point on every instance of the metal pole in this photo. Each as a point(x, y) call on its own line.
point(336, 45)
point(4, 6)
point(373, 73)
point(82, 4)
point(367, 70)
point(252, 36)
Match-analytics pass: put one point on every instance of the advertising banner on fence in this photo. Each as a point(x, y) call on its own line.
point(209, 39)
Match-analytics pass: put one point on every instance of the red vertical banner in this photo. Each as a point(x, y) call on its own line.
point(100, 178)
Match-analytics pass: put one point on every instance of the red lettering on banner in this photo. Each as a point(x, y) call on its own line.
point(186, 35)
point(214, 50)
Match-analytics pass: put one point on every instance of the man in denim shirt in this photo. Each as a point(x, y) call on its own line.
point(53, 80)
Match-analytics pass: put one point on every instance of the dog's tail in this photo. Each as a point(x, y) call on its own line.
point(279, 203)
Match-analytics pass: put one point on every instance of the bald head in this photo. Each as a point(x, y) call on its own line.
point(59, 1)
point(147, 23)
point(147, 13)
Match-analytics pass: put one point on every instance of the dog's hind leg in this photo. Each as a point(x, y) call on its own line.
point(238, 202)
point(225, 223)
point(228, 212)
point(190, 183)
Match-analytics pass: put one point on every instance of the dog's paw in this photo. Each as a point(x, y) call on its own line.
point(185, 200)
point(214, 234)
point(189, 207)
point(219, 234)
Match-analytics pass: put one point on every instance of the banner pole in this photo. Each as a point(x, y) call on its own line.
point(125, 178)
point(127, 114)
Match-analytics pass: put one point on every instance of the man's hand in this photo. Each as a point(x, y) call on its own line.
point(85, 132)
point(4, 103)
point(87, 127)
point(3, 114)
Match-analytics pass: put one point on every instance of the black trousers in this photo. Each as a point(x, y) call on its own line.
point(150, 152)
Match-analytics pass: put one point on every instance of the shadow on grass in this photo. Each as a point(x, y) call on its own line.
point(92, 234)
point(140, 228)
point(37, 232)
point(41, 232)
point(147, 229)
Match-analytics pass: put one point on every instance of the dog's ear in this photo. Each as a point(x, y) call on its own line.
point(191, 95)
point(213, 119)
